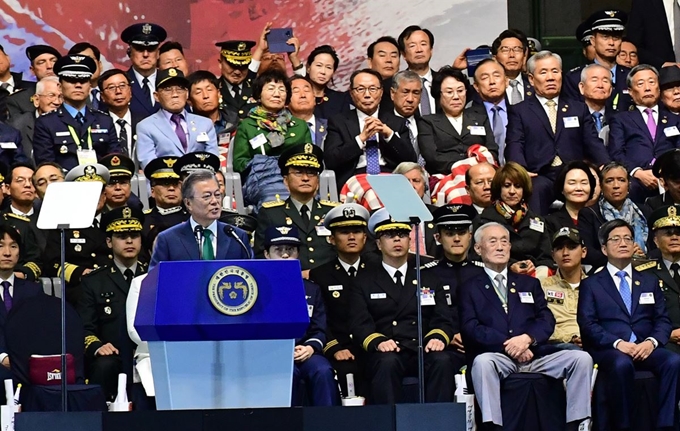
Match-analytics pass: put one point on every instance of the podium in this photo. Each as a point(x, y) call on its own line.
point(221, 334)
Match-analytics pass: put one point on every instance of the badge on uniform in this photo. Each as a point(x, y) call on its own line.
point(78, 248)
point(378, 296)
point(555, 296)
point(335, 287)
point(63, 149)
point(289, 221)
point(571, 122)
point(426, 296)
point(526, 298)
point(8, 145)
point(310, 310)
point(336, 294)
point(76, 234)
point(107, 310)
point(536, 224)
point(646, 298)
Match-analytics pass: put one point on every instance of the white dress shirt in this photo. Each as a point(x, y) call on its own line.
point(457, 123)
point(128, 129)
point(346, 266)
point(11, 87)
point(520, 87)
point(212, 228)
point(151, 84)
point(392, 271)
point(17, 212)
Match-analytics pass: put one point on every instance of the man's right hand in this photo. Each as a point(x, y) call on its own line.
point(675, 336)
point(388, 346)
point(627, 348)
point(106, 350)
point(371, 127)
point(457, 342)
point(647, 178)
point(5, 362)
point(343, 355)
point(525, 357)
point(460, 62)
point(87, 271)
point(262, 45)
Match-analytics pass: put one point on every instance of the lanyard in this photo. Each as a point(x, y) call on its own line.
point(75, 137)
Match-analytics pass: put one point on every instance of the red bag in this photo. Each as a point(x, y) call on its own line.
point(46, 369)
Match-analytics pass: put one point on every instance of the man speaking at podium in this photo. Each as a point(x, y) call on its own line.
point(202, 237)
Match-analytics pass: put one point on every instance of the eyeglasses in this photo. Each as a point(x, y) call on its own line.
point(391, 234)
point(51, 96)
point(508, 49)
point(207, 197)
point(115, 88)
point(172, 90)
point(300, 174)
point(363, 90)
point(21, 180)
point(618, 239)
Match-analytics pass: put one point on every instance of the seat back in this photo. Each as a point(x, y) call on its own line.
point(140, 188)
point(33, 327)
point(328, 187)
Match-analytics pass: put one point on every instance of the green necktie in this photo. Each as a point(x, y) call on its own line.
point(208, 252)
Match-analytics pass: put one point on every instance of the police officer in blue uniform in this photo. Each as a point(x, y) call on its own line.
point(236, 82)
point(143, 39)
point(74, 134)
point(283, 242)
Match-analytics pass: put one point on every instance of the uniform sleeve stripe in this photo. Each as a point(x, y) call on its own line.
point(439, 332)
point(370, 339)
point(330, 344)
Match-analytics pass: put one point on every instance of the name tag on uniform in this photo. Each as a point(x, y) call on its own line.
point(86, 157)
point(310, 310)
point(571, 122)
point(8, 145)
point(99, 130)
point(322, 230)
point(258, 141)
point(671, 131)
point(426, 297)
point(555, 296)
point(625, 91)
point(223, 139)
point(537, 225)
point(477, 130)
point(378, 295)
point(646, 298)
point(335, 287)
point(446, 287)
point(62, 133)
point(526, 298)
point(77, 240)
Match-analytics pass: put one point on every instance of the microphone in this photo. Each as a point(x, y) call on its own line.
point(230, 232)
point(198, 233)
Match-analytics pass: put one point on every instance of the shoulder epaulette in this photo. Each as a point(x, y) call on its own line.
point(148, 211)
point(329, 203)
point(17, 216)
point(97, 271)
point(645, 266)
point(18, 90)
point(430, 264)
point(575, 69)
point(98, 111)
point(272, 204)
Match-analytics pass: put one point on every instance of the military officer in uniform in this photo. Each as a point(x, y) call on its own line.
point(236, 82)
point(119, 189)
point(144, 40)
point(283, 242)
point(347, 224)
point(166, 191)
point(454, 233)
point(383, 314)
point(191, 162)
point(300, 166)
point(74, 134)
point(105, 290)
point(664, 223)
point(86, 249)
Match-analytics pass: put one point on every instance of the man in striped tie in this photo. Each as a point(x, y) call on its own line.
point(624, 326)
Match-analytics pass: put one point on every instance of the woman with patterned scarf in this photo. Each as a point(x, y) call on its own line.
point(614, 203)
point(269, 128)
point(510, 191)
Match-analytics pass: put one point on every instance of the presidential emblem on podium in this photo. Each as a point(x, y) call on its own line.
point(232, 290)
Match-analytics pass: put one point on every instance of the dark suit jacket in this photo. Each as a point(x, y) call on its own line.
point(20, 101)
point(656, 202)
point(378, 302)
point(315, 335)
point(440, 144)
point(22, 290)
point(485, 325)
point(179, 243)
point(618, 101)
point(25, 124)
point(140, 105)
point(320, 131)
point(528, 92)
point(333, 103)
point(603, 317)
point(531, 142)
point(648, 30)
point(11, 137)
point(558, 220)
point(590, 219)
point(631, 144)
point(341, 152)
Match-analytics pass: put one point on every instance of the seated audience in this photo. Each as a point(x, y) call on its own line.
point(613, 204)
point(236, 75)
point(322, 63)
point(204, 99)
point(595, 87)
point(171, 54)
point(505, 325)
point(46, 174)
point(270, 128)
point(575, 186)
point(511, 50)
point(667, 170)
point(116, 95)
point(510, 190)
point(405, 91)
point(478, 185)
point(42, 59)
point(302, 106)
point(310, 365)
point(490, 82)
point(445, 137)
point(382, 312)
point(166, 193)
point(561, 289)
point(118, 190)
point(625, 330)
point(669, 81)
point(628, 56)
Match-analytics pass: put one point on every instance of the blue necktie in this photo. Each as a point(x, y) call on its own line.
point(372, 157)
point(95, 98)
point(624, 291)
point(597, 116)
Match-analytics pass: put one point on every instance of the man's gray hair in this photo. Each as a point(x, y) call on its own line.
point(639, 68)
point(406, 167)
point(584, 71)
point(479, 233)
point(193, 178)
point(541, 55)
point(404, 75)
point(40, 86)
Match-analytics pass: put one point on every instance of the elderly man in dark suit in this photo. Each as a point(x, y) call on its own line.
point(505, 326)
point(652, 30)
point(624, 326)
point(302, 105)
point(490, 84)
point(549, 130)
point(366, 140)
point(640, 136)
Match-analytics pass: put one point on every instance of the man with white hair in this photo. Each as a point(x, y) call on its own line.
point(596, 87)
point(548, 130)
point(505, 327)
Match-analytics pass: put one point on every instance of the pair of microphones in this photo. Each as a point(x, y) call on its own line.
point(229, 231)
